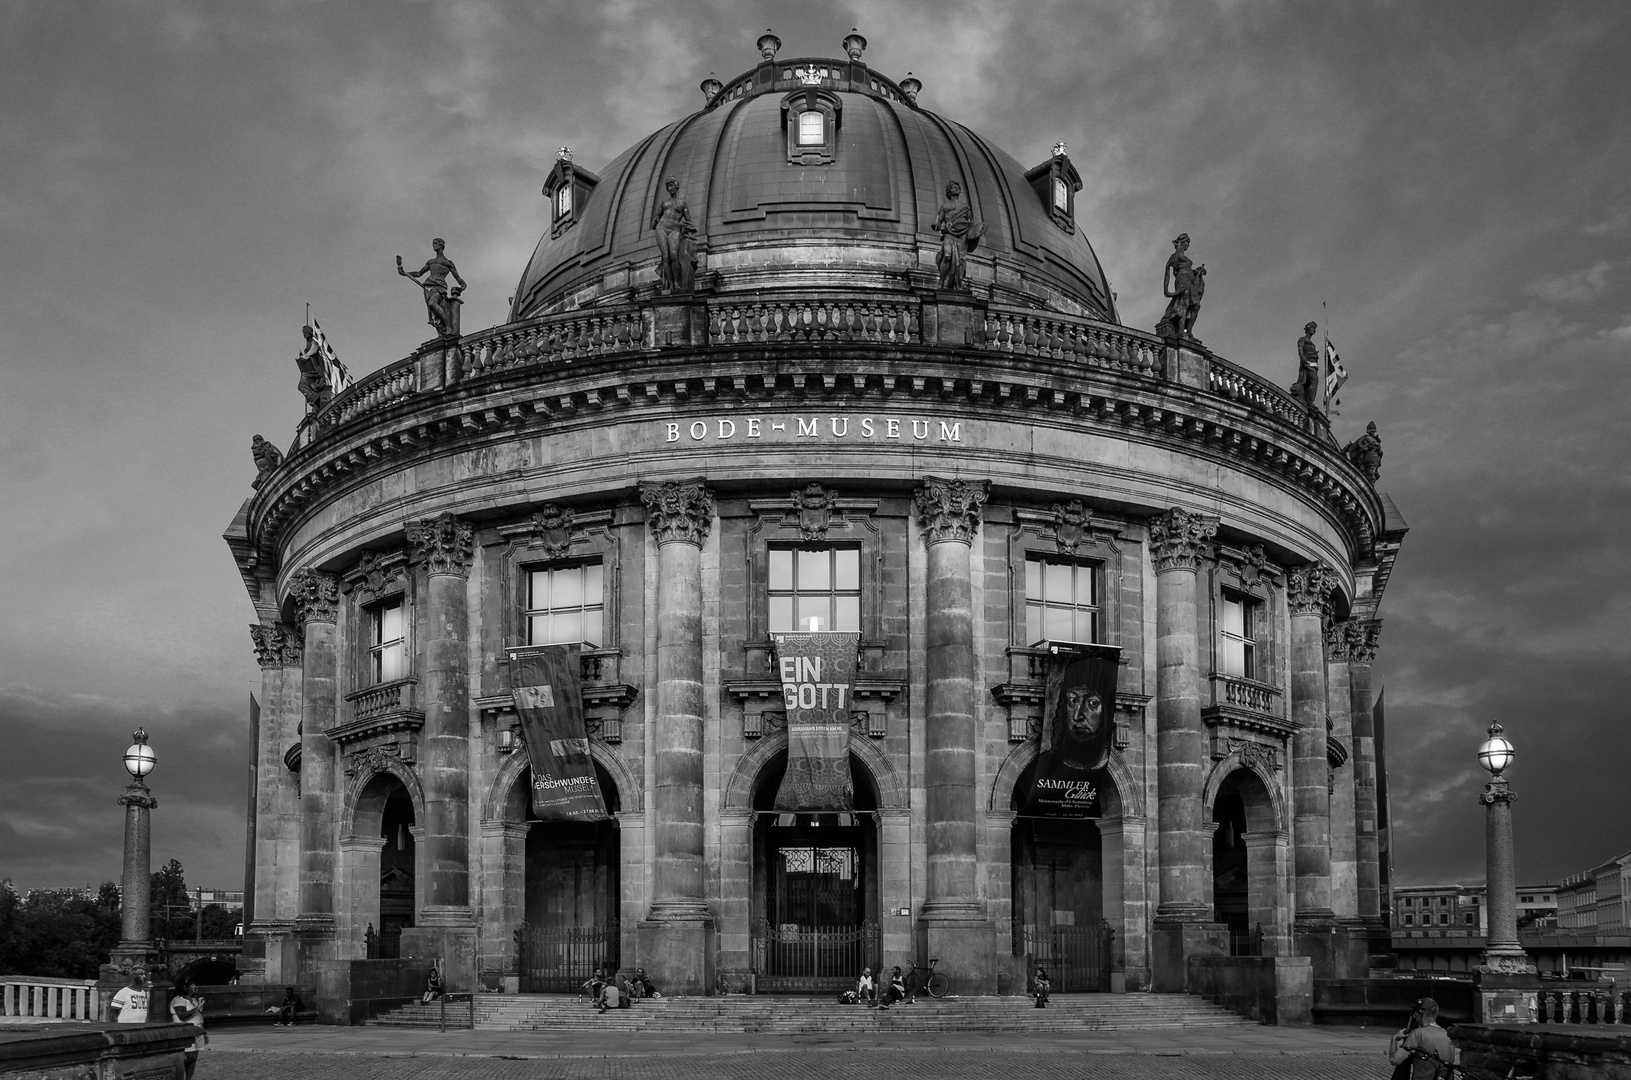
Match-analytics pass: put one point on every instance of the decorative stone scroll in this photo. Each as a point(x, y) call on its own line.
point(1363, 637)
point(679, 512)
point(316, 596)
point(814, 506)
point(949, 509)
point(375, 571)
point(1179, 538)
point(443, 544)
point(1309, 587)
point(268, 644)
point(1071, 525)
point(554, 529)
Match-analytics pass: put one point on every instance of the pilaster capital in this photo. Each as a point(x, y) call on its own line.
point(443, 544)
point(1364, 635)
point(681, 511)
point(316, 596)
point(1338, 641)
point(950, 509)
point(268, 641)
point(1309, 587)
point(293, 647)
point(1179, 538)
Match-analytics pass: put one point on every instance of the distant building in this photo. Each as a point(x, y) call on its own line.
point(1465, 908)
point(1597, 899)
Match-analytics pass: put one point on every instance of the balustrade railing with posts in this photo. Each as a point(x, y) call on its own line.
point(1590, 1004)
point(47, 999)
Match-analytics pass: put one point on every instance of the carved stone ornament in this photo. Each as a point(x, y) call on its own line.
point(1507, 965)
point(1308, 588)
point(814, 505)
point(443, 544)
point(1337, 641)
point(1255, 755)
point(1252, 562)
point(268, 644)
point(373, 759)
point(949, 509)
point(679, 512)
point(553, 529)
point(316, 596)
point(1363, 637)
point(1071, 523)
point(267, 458)
point(1496, 791)
point(375, 571)
point(1178, 539)
point(293, 647)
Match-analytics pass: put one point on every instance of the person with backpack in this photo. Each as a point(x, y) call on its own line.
point(1422, 1050)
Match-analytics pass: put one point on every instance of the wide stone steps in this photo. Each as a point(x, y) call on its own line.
point(799, 1016)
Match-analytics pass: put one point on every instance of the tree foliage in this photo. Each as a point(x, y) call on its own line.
point(57, 933)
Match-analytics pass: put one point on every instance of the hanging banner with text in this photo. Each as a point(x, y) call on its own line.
point(817, 675)
point(546, 681)
point(1078, 731)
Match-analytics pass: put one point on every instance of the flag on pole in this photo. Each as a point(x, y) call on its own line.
point(338, 377)
point(1335, 373)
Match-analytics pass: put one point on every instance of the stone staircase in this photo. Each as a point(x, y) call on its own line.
point(801, 1016)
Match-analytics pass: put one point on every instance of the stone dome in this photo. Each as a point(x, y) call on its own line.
point(853, 203)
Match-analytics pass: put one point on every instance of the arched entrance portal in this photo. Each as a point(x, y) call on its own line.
point(381, 853)
point(815, 913)
point(1059, 897)
point(1244, 863)
point(571, 895)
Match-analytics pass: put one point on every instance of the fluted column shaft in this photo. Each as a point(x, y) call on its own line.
point(1178, 540)
point(1307, 592)
point(1363, 635)
point(316, 601)
point(680, 515)
point(949, 514)
point(443, 547)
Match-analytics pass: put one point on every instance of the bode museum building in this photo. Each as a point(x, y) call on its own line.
point(813, 572)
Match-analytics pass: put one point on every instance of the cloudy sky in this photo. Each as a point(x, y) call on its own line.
point(178, 179)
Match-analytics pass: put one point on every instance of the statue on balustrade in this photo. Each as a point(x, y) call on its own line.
point(314, 384)
point(959, 236)
point(1366, 453)
point(1184, 284)
point(267, 457)
point(441, 302)
point(676, 246)
point(1306, 388)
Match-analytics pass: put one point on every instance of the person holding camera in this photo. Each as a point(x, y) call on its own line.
point(187, 1007)
point(1422, 1051)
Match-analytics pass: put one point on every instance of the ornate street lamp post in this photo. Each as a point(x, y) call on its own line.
point(1502, 953)
point(135, 937)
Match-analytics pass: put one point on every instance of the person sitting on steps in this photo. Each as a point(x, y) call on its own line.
point(433, 985)
point(866, 989)
point(287, 1008)
point(896, 990)
point(1041, 988)
point(595, 984)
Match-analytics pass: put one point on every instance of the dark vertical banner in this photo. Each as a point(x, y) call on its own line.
point(817, 673)
point(546, 681)
point(1078, 732)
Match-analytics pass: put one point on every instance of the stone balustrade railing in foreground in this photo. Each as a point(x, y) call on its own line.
point(46, 999)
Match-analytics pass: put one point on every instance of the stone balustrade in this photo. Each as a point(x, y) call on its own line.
point(383, 699)
point(1245, 694)
point(741, 323)
point(1061, 337)
point(1602, 1004)
point(47, 999)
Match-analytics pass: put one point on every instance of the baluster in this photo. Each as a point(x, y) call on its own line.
point(1030, 336)
point(914, 332)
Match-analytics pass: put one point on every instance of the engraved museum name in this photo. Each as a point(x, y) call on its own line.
point(881, 429)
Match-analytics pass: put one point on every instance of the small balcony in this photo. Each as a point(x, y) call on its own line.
point(1247, 704)
point(385, 713)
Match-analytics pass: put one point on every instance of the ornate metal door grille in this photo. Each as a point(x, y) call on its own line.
point(559, 959)
point(1078, 958)
point(789, 959)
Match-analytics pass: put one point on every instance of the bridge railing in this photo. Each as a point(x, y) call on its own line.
point(41, 998)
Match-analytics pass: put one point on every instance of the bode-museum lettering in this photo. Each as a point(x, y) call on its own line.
point(883, 428)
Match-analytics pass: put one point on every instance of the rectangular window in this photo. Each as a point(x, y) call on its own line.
point(565, 604)
point(563, 201)
point(1237, 636)
point(1061, 601)
point(1410, 920)
point(387, 644)
point(1471, 917)
point(1444, 920)
point(1061, 196)
point(812, 128)
point(815, 588)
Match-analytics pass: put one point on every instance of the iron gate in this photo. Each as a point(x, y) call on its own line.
point(1078, 958)
point(799, 958)
point(560, 959)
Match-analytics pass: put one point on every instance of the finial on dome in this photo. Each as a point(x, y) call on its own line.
point(711, 87)
point(910, 87)
point(1059, 149)
point(564, 154)
point(769, 45)
point(855, 44)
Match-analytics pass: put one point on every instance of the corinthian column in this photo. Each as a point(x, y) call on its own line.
point(953, 916)
point(316, 598)
point(1308, 589)
point(1344, 868)
point(443, 547)
point(675, 942)
point(277, 807)
point(1363, 637)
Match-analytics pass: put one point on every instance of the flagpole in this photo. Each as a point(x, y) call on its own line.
point(1325, 360)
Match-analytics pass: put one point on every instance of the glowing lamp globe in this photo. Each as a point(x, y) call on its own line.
point(1497, 753)
point(140, 758)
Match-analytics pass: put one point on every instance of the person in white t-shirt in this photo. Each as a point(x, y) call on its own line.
point(129, 1005)
point(187, 1007)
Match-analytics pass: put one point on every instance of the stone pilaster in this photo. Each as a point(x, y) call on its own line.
point(953, 917)
point(316, 596)
point(1344, 864)
point(676, 942)
point(1363, 638)
point(277, 805)
point(1308, 593)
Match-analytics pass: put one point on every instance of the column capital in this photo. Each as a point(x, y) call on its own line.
point(316, 596)
point(1309, 587)
point(268, 639)
point(1496, 791)
point(949, 509)
point(1179, 538)
point(137, 794)
point(443, 544)
point(681, 511)
point(292, 648)
point(1364, 635)
point(1339, 641)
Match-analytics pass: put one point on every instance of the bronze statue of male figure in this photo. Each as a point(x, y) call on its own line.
point(432, 278)
point(1366, 453)
point(676, 252)
point(959, 235)
point(1184, 286)
point(314, 384)
point(1306, 388)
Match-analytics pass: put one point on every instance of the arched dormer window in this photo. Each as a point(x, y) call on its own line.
point(811, 119)
point(567, 188)
point(1056, 183)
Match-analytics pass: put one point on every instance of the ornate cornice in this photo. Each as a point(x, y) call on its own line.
point(1072, 523)
point(443, 544)
point(814, 506)
point(268, 644)
point(949, 509)
point(1179, 538)
point(1364, 635)
point(316, 596)
point(679, 512)
point(1308, 588)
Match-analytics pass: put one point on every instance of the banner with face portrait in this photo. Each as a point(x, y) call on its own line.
point(1078, 732)
point(817, 675)
point(546, 682)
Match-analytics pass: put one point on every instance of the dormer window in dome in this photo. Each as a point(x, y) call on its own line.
point(1056, 183)
point(811, 118)
point(567, 188)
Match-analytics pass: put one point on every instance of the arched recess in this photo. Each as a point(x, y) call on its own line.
point(1248, 860)
point(379, 868)
point(1126, 800)
point(1267, 815)
point(739, 788)
point(507, 801)
point(363, 806)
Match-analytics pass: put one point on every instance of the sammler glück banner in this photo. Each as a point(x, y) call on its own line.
point(1078, 731)
point(546, 682)
point(817, 674)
